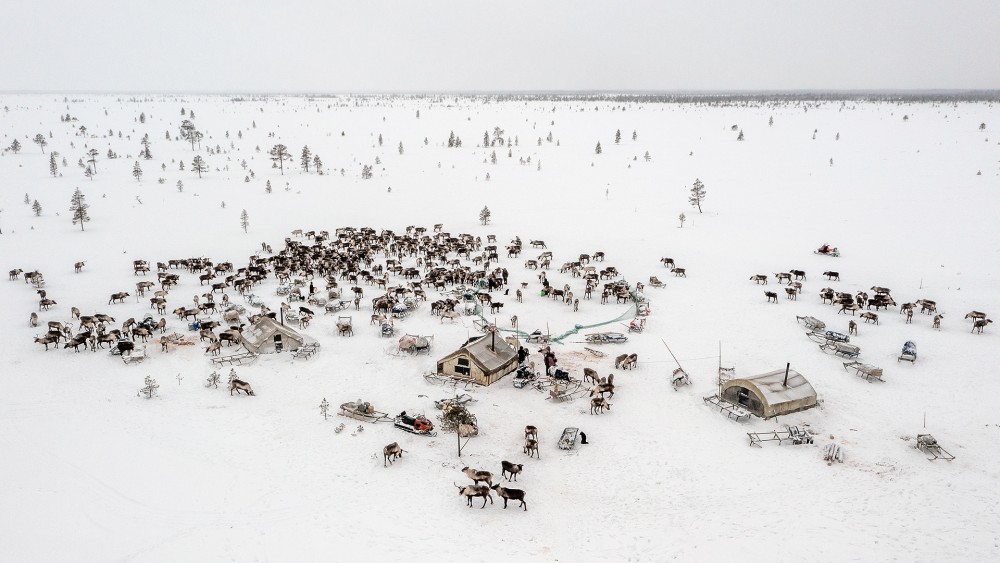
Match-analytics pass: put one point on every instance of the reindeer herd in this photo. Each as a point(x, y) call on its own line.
point(881, 298)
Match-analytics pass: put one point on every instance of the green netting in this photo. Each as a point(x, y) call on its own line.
point(631, 312)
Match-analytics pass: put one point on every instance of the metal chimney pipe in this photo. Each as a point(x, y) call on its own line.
point(787, 366)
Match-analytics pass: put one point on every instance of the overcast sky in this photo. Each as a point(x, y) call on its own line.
point(461, 45)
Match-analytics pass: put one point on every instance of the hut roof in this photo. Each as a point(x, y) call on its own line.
point(771, 386)
point(492, 352)
point(263, 330)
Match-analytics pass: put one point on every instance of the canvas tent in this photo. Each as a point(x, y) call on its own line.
point(768, 395)
point(267, 336)
point(484, 360)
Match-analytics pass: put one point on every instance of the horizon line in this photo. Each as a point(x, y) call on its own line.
point(525, 92)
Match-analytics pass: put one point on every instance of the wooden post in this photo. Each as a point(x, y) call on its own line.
point(788, 365)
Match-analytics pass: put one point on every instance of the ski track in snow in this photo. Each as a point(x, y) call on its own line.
point(94, 473)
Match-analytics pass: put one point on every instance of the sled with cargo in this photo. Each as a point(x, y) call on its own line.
point(363, 411)
point(568, 439)
point(606, 338)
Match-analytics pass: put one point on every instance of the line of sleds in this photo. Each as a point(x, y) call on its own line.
point(365, 412)
point(839, 344)
point(836, 343)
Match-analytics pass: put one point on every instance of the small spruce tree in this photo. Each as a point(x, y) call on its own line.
point(37, 208)
point(53, 165)
point(279, 154)
point(484, 215)
point(198, 165)
point(697, 194)
point(149, 388)
point(597, 149)
point(244, 220)
point(78, 206)
point(137, 171)
point(306, 159)
point(618, 136)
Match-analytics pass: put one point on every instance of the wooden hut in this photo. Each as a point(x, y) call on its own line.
point(771, 394)
point(484, 360)
point(268, 335)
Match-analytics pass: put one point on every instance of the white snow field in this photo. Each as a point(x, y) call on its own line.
point(92, 472)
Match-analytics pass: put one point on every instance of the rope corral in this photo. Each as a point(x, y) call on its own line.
point(632, 312)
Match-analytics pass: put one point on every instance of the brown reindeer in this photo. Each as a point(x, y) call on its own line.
point(391, 452)
point(771, 296)
point(78, 267)
point(980, 324)
point(238, 385)
point(531, 447)
point(598, 404)
point(937, 321)
point(510, 494)
point(852, 328)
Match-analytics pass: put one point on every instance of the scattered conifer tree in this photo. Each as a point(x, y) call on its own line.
point(198, 165)
point(78, 206)
point(40, 141)
point(697, 194)
point(306, 159)
point(279, 154)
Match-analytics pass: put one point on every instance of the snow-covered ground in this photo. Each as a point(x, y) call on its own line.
point(93, 473)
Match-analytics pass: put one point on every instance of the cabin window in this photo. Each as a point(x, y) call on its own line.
point(462, 367)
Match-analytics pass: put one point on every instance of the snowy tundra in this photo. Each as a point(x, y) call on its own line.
point(906, 191)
